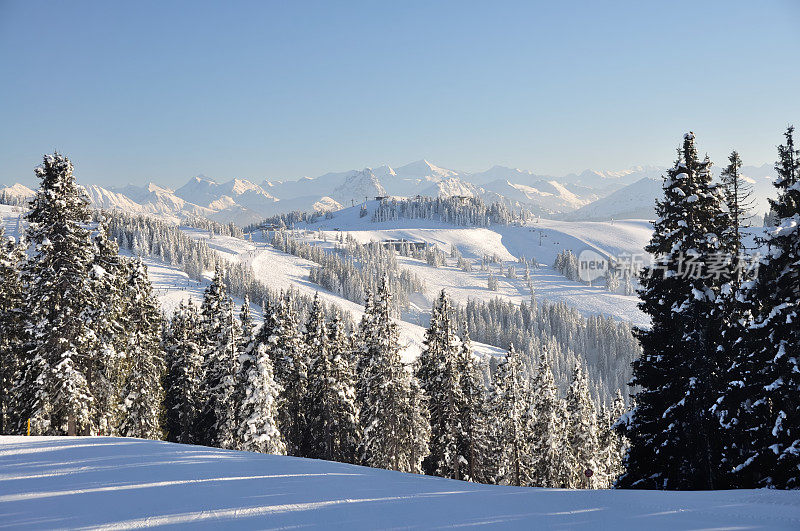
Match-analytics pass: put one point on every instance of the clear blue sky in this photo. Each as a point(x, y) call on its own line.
point(138, 91)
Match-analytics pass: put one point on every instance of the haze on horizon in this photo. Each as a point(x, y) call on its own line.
point(152, 92)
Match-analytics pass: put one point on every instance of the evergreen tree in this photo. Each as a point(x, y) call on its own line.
point(511, 412)
point(473, 443)
point(612, 445)
point(52, 389)
point(438, 375)
point(246, 358)
point(142, 393)
point(677, 376)
point(112, 327)
point(582, 432)
point(761, 408)
point(551, 463)
point(217, 420)
point(332, 412)
point(394, 414)
point(258, 395)
point(11, 298)
point(289, 357)
point(184, 361)
point(738, 196)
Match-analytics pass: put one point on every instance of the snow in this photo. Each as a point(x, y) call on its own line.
point(114, 483)
point(281, 271)
point(624, 238)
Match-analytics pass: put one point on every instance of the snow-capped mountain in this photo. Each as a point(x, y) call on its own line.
point(613, 179)
point(16, 191)
point(359, 186)
point(635, 201)
point(504, 173)
point(415, 177)
point(541, 197)
point(589, 195)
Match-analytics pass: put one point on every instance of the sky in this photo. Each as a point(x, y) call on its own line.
point(161, 91)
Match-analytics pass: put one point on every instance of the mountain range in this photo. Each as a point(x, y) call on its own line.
point(588, 196)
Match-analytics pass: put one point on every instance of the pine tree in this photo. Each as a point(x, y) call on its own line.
point(761, 409)
point(257, 395)
point(51, 389)
point(394, 413)
point(474, 443)
point(511, 413)
point(184, 361)
point(112, 326)
point(142, 393)
point(612, 445)
point(671, 428)
point(217, 420)
point(246, 358)
point(491, 282)
point(332, 411)
point(438, 376)
point(289, 357)
point(582, 431)
point(738, 197)
point(551, 463)
point(11, 298)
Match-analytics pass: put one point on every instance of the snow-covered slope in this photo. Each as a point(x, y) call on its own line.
point(602, 179)
point(115, 483)
point(541, 240)
point(635, 201)
point(504, 173)
point(540, 197)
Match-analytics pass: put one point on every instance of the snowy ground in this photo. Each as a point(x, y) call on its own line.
point(541, 240)
point(111, 483)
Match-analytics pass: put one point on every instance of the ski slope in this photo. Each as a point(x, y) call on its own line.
point(281, 271)
point(115, 483)
point(540, 240)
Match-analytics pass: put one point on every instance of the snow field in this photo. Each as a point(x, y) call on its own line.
point(114, 483)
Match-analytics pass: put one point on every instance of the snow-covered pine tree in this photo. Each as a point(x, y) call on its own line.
point(217, 420)
point(612, 445)
point(289, 358)
point(11, 299)
point(582, 431)
point(671, 428)
point(331, 410)
point(358, 359)
point(511, 408)
point(258, 395)
point(731, 304)
point(52, 390)
point(394, 413)
point(438, 376)
point(142, 393)
point(473, 439)
point(245, 359)
point(761, 408)
point(111, 326)
point(184, 361)
point(550, 459)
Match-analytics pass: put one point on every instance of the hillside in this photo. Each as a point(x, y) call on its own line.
point(112, 483)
